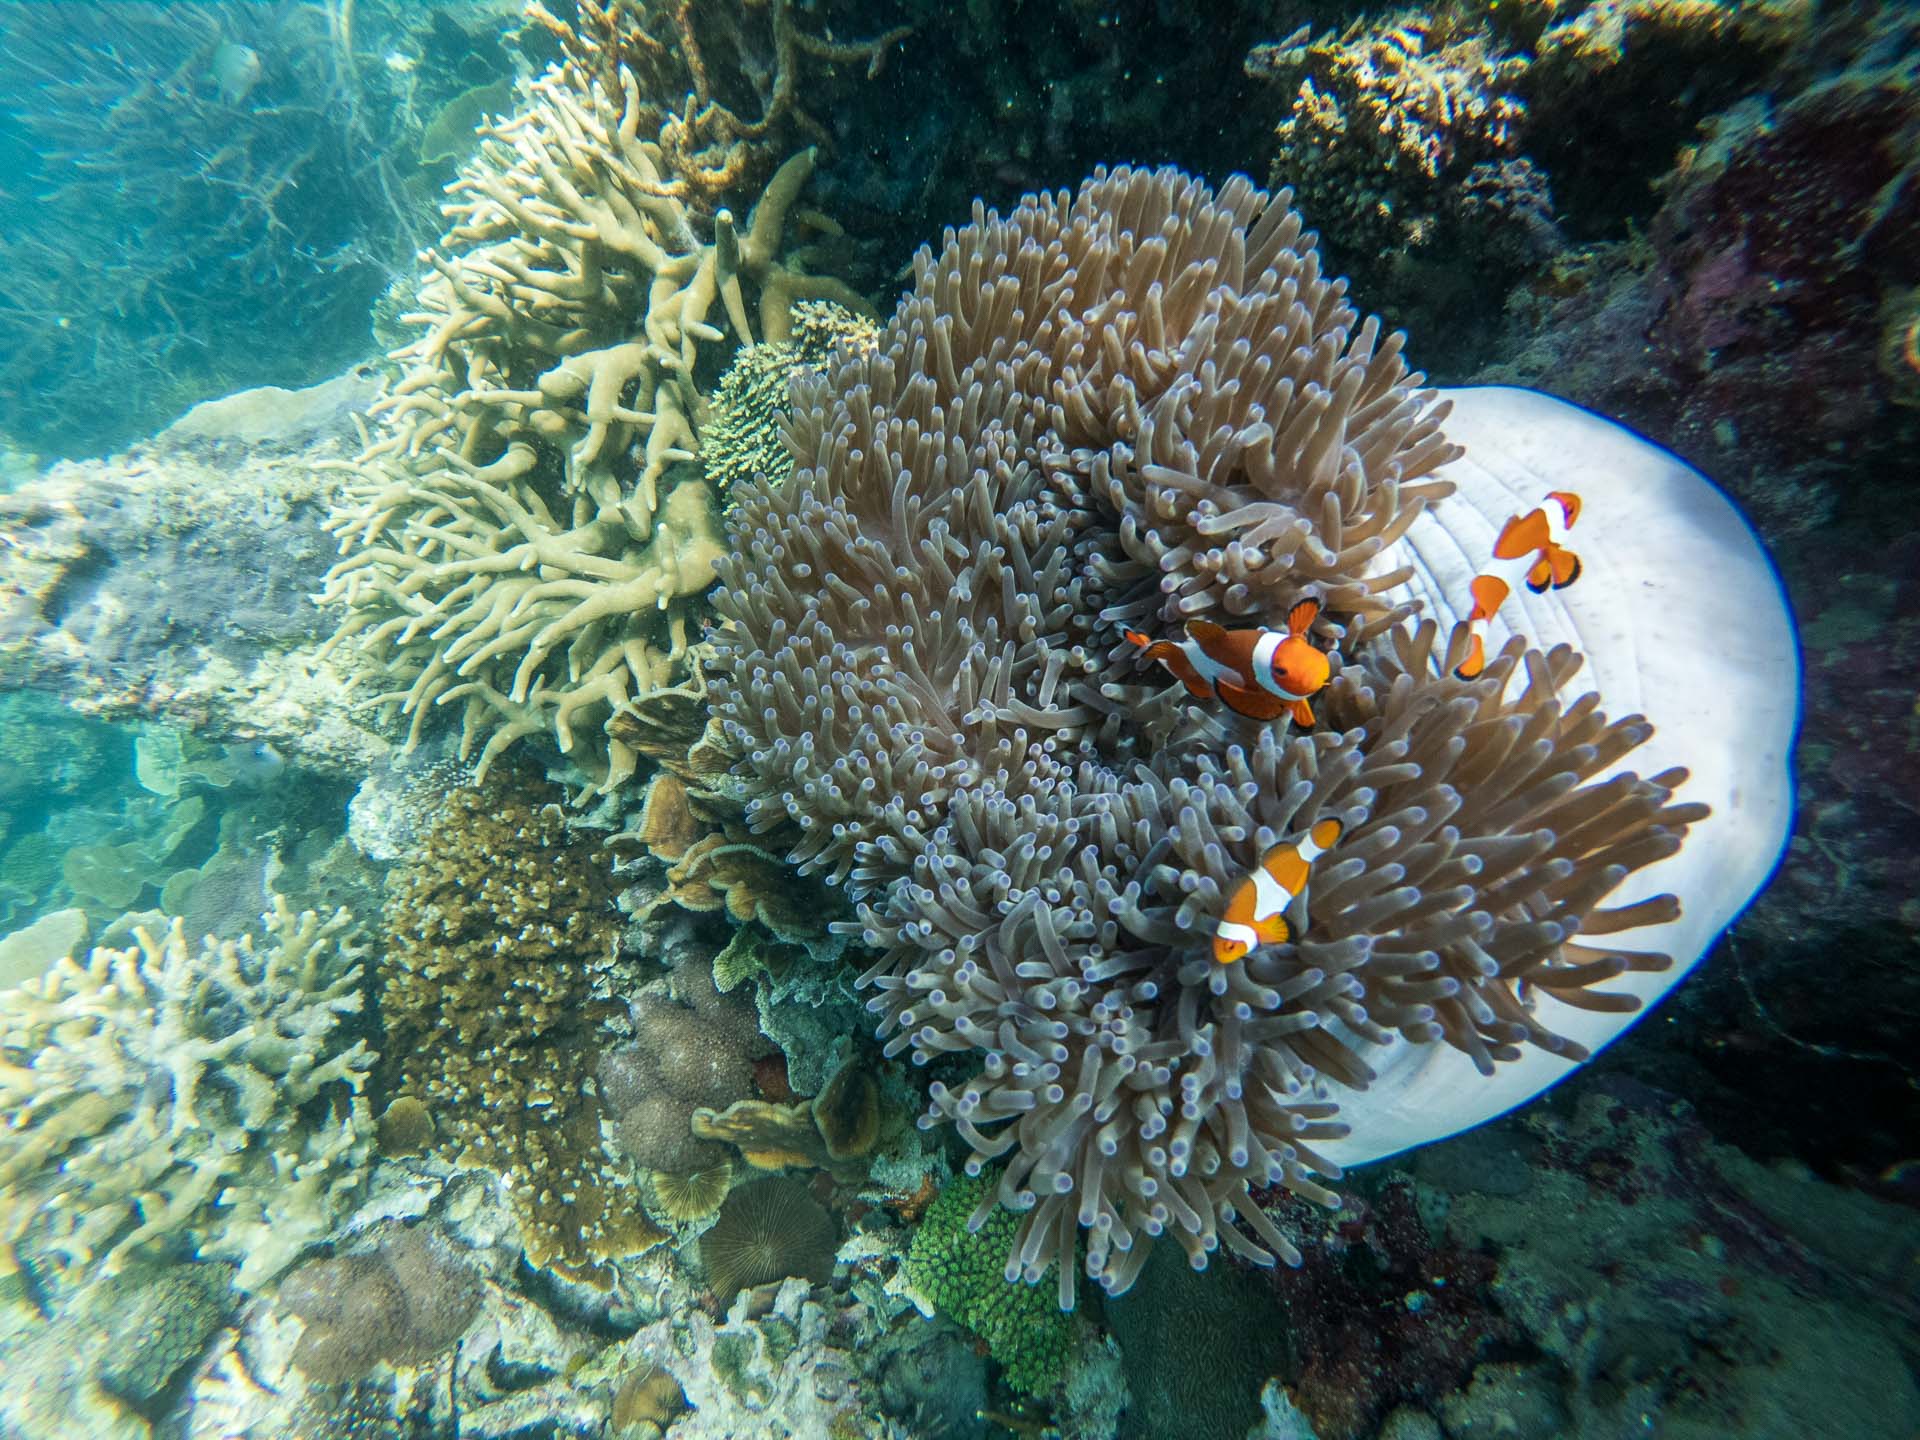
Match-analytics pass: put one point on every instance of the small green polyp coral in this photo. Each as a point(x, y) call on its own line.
point(202, 1100)
point(964, 1274)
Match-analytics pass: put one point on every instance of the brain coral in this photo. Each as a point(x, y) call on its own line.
point(1135, 405)
point(203, 1099)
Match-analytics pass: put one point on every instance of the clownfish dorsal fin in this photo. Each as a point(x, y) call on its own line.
point(1204, 632)
point(1301, 617)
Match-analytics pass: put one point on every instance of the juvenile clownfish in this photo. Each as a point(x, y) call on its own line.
point(1531, 547)
point(1256, 911)
point(1261, 674)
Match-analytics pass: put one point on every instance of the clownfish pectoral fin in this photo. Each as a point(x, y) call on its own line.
point(1273, 930)
point(1301, 617)
point(1302, 712)
point(1254, 704)
point(1475, 661)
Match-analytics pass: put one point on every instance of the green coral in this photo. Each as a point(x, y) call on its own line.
point(964, 1274)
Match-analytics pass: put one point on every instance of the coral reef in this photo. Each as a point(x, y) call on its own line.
point(1449, 152)
point(692, 1048)
point(768, 1230)
point(1136, 406)
point(496, 934)
point(401, 1302)
point(205, 1101)
point(515, 538)
point(964, 1272)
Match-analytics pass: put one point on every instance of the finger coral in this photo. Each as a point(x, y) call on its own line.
point(513, 542)
point(205, 1100)
point(1137, 405)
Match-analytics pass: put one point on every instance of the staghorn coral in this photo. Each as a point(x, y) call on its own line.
point(690, 1049)
point(203, 1100)
point(506, 545)
point(496, 934)
point(705, 56)
point(767, 1231)
point(1134, 405)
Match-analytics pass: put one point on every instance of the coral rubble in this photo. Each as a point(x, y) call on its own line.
point(1140, 404)
point(198, 1100)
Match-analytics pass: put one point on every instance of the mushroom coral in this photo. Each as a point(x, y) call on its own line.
point(1142, 404)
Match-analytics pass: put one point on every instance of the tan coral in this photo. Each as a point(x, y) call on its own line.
point(506, 545)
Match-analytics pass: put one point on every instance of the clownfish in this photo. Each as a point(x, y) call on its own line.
point(1261, 674)
point(1531, 547)
point(1256, 911)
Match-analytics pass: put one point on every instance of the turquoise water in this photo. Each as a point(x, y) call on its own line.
point(867, 719)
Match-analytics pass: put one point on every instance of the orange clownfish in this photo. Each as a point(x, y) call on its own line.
point(1261, 674)
point(1531, 547)
point(1256, 911)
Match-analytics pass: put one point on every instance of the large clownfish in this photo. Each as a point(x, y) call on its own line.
point(1256, 911)
point(1261, 674)
point(1531, 547)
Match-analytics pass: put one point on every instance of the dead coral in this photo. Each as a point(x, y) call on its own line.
point(495, 934)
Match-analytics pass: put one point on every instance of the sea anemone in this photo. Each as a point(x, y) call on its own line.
point(1133, 407)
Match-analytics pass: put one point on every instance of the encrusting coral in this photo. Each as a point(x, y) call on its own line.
point(1138, 405)
point(204, 1100)
point(402, 1302)
point(513, 540)
point(963, 1272)
point(495, 936)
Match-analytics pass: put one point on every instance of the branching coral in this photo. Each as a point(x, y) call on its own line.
point(204, 1100)
point(495, 936)
point(506, 544)
point(709, 54)
point(1135, 405)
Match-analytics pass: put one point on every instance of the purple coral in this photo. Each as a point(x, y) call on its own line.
point(693, 1049)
